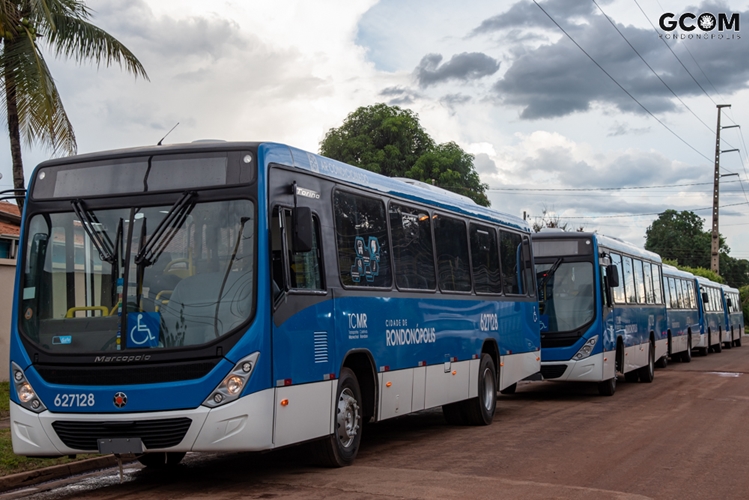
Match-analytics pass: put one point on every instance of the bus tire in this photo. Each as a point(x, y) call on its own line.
point(662, 362)
point(738, 340)
point(161, 460)
point(480, 410)
point(719, 346)
point(607, 387)
point(647, 372)
point(340, 448)
point(686, 356)
point(510, 389)
point(705, 350)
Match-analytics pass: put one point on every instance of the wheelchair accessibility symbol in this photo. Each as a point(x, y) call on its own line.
point(144, 329)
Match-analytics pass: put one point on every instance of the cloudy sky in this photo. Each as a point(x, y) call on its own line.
point(548, 127)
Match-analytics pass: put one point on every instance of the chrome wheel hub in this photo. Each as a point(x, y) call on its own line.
point(347, 419)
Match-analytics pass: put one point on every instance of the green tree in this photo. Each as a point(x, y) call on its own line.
point(391, 141)
point(680, 236)
point(33, 105)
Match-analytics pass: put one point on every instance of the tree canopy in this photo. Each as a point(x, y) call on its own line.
point(391, 141)
point(33, 105)
point(679, 237)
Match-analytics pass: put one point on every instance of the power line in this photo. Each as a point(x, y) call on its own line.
point(609, 188)
point(650, 67)
point(642, 215)
point(619, 85)
point(672, 51)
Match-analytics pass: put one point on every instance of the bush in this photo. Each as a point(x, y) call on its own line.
point(744, 294)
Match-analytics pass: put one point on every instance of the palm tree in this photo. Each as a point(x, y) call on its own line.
point(33, 104)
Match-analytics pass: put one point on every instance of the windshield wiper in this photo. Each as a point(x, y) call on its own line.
point(89, 222)
point(166, 230)
point(551, 272)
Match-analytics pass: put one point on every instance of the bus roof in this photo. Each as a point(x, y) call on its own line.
point(319, 165)
point(607, 241)
point(669, 270)
point(705, 281)
point(729, 288)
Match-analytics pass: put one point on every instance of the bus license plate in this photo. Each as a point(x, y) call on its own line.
point(121, 446)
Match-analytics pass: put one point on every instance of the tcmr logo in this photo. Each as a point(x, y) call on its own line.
point(120, 399)
point(705, 22)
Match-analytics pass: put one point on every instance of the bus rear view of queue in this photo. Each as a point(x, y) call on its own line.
point(602, 309)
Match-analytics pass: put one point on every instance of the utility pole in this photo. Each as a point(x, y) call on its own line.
point(715, 247)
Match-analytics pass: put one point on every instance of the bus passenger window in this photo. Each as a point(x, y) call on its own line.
point(362, 237)
point(649, 296)
point(452, 254)
point(640, 281)
point(510, 253)
point(529, 282)
point(629, 280)
point(657, 284)
point(485, 259)
point(413, 255)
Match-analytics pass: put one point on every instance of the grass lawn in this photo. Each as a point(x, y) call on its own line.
point(10, 463)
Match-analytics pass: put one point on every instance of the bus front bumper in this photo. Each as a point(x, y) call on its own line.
point(594, 368)
point(243, 425)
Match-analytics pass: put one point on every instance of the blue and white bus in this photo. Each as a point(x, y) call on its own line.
point(602, 309)
point(734, 316)
point(682, 315)
point(712, 316)
point(248, 296)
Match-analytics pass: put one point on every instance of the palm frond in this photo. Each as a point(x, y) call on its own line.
point(41, 115)
point(80, 40)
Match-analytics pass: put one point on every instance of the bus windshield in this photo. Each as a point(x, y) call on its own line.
point(566, 298)
point(138, 277)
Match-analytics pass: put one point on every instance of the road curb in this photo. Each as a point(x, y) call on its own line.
point(32, 477)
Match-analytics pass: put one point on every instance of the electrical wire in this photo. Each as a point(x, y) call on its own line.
point(619, 85)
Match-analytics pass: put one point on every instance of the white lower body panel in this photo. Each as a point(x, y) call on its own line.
point(516, 367)
point(679, 344)
point(661, 348)
point(727, 336)
point(699, 340)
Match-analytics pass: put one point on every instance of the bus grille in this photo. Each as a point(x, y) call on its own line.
point(125, 375)
point(553, 371)
point(154, 433)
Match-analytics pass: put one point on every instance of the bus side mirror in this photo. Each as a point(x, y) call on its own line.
point(612, 275)
point(705, 298)
point(301, 227)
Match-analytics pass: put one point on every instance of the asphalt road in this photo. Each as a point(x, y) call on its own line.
point(683, 436)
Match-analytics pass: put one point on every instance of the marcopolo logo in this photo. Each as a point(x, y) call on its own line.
point(700, 26)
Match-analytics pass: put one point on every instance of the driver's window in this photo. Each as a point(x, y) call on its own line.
point(293, 270)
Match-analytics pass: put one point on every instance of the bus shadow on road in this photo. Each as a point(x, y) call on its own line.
point(564, 391)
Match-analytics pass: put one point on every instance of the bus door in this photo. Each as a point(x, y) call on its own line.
point(302, 331)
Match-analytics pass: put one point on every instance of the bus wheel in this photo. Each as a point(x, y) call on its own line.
point(160, 460)
point(686, 356)
point(719, 346)
point(662, 362)
point(647, 372)
point(738, 340)
point(480, 410)
point(340, 448)
point(705, 350)
point(607, 387)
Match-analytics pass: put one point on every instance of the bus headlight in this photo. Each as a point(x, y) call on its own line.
point(26, 394)
point(586, 349)
point(231, 387)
